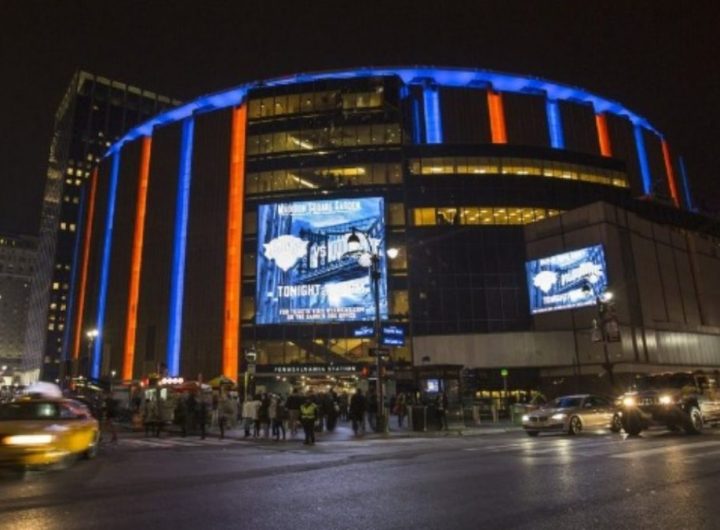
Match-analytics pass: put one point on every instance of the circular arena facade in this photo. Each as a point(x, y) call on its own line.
point(222, 226)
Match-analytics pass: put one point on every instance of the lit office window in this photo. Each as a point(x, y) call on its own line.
point(480, 215)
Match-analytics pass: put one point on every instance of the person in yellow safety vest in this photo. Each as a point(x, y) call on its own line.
point(308, 415)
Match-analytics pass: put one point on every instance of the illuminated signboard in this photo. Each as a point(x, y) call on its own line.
point(391, 335)
point(567, 280)
point(306, 270)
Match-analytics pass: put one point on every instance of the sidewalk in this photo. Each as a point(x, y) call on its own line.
point(343, 433)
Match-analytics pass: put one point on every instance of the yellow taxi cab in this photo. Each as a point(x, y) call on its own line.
point(43, 431)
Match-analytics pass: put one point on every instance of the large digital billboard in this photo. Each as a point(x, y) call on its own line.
point(307, 270)
point(567, 280)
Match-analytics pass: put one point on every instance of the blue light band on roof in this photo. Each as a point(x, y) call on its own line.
point(85, 197)
point(444, 77)
point(177, 277)
point(555, 127)
point(105, 267)
point(642, 160)
point(686, 186)
point(416, 125)
point(433, 119)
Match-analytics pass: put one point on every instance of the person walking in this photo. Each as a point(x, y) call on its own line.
point(151, 419)
point(226, 412)
point(400, 409)
point(357, 412)
point(110, 409)
point(372, 411)
point(308, 416)
point(202, 416)
point(264, 415)
point(442, 406)
point(250, 415)
point(331, 410)
point(190, 413)
point(292, 405)
point(277, 417)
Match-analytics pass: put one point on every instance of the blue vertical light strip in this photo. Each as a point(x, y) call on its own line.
point(105, 266)
point(69, 324)
point(177, 275)
point(686, 186)
point(642, 160)
point(555, 127)
point(417, 132)
point(433, 120)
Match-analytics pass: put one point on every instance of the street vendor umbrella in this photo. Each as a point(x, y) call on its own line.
point(220, 380)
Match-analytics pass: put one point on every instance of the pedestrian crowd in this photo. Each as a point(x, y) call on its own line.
point(267, 416)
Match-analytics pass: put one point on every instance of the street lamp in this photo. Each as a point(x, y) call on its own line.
point(604, 319)
point(370, 257)
point(91, 336)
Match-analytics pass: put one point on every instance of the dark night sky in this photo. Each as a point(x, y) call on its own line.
point(658, 58)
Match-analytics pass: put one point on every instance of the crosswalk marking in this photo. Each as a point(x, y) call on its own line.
point(665, 449)
point(697, 456)
point(169, 443)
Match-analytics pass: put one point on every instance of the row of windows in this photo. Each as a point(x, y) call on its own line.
point(323, 177)
point(395, 217)
point(480, 215)
point(325, 138)
point(77, 172)
point(71, 182)
point(516, 166)
point(288, 351)
point(313, 102)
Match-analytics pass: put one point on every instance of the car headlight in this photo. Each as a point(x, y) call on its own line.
point(525, 417)
point(29, 439)
point(666, 400)
point(629, 401)
point(559, 416)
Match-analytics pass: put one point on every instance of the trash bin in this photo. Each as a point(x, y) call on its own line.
point(419, 416)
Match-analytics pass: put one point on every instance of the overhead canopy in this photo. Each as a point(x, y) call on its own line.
point(220, 380)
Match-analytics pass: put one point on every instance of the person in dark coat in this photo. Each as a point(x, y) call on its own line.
point(264, 415)
point(357, 411)
point(202, 416)
point(190, 413)
point(332, 407)
point(372, 410)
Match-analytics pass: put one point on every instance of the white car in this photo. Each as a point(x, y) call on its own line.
point(574, 414)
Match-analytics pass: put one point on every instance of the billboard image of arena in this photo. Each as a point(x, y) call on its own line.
point(222, 226)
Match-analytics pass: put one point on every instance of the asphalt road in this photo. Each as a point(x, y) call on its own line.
point(498, 480)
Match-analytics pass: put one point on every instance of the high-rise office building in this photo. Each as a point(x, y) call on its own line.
point(94, 112)
point(17, 254)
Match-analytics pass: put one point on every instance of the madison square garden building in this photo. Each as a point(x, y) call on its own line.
point(243, 221)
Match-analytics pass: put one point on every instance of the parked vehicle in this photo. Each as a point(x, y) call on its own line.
point(573, 414)
point(680, 400)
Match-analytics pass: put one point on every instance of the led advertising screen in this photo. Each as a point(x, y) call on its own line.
point(313, 258)
point(567, 280)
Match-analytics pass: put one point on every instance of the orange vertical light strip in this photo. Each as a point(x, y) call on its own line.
point(136, 259)
point(603, 135)
point(670, 173)
point(85, 265)
point(497, 118)
point(233, 256)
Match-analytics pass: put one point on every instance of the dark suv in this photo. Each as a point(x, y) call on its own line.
point(680, 400)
